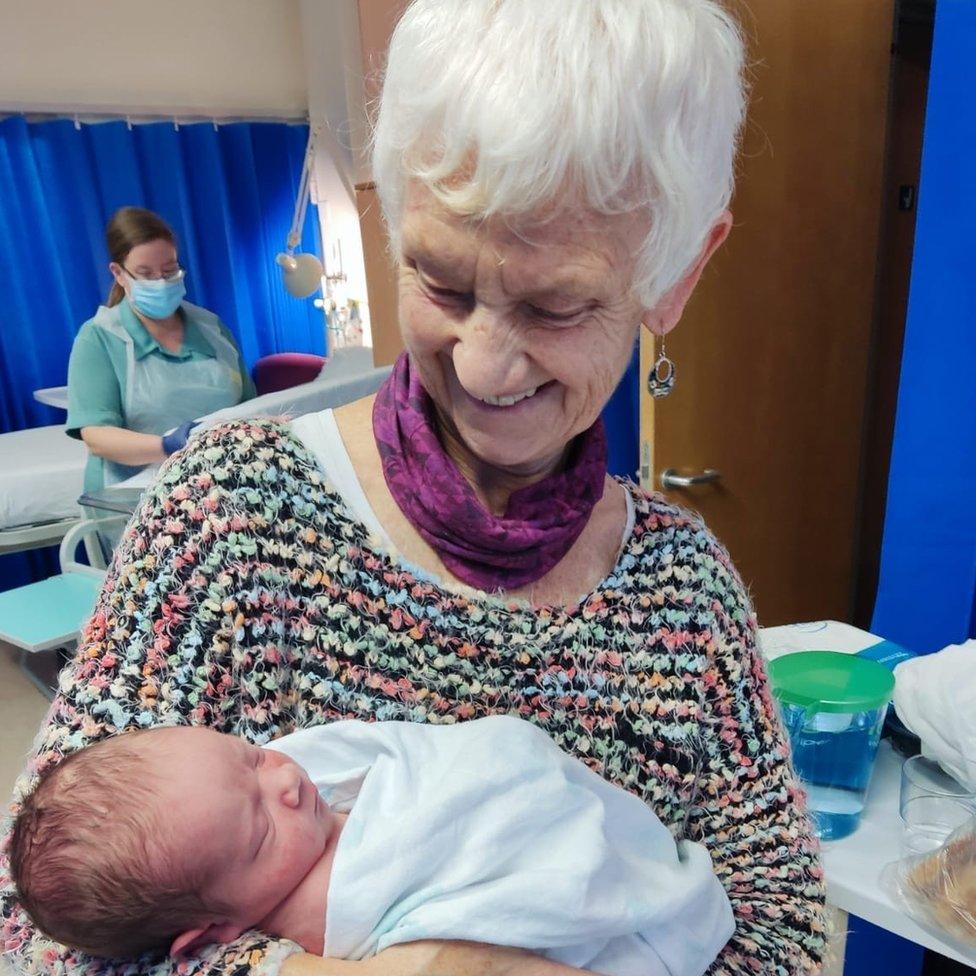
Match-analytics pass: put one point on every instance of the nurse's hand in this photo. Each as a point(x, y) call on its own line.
point(176, 440)
point(432, 958)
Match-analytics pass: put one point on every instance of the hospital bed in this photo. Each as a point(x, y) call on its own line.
point(41, 476)
point(42, 469)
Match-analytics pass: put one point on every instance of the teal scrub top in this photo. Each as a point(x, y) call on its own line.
point(97, 373)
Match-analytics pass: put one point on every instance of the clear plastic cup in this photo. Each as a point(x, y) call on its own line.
point(929, 820)
point(932, 805)
point(924, 777)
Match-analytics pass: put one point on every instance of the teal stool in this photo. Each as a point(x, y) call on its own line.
point(50, 614)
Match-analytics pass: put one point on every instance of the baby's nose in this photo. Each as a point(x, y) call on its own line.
point(290, 784)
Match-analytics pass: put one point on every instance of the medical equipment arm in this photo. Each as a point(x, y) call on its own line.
point(124, 446)
point(748, 808)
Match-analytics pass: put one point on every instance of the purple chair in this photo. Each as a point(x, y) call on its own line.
point(283, 370)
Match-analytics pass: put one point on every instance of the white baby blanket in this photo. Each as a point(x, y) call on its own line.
point(935, 696)
point(486, 831)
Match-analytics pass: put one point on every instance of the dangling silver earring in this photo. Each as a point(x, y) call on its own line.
point(660, 380)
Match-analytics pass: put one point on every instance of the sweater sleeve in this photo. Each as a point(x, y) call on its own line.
point(749, 810)
point(168, 642)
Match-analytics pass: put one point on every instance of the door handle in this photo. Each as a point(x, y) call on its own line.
point(671, 479)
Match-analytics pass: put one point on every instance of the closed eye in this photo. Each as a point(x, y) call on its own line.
point(438, 293)
point(447, 296)
point(556, 318)
point(264, 831)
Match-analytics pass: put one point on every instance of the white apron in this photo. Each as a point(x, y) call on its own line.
point(162, 393)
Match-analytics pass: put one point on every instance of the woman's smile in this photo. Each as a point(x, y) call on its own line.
point(511, 403)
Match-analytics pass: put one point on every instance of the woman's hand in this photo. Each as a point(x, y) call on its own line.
point(176, 439)
point(432, 958)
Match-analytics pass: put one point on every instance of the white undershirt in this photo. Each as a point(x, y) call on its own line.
point(319, 432)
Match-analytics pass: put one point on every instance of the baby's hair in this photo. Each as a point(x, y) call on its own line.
point(89, 855)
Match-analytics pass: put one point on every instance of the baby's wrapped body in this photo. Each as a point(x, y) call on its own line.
point(486, 831)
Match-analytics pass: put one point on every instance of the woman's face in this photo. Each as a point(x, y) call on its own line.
point(520, 338)
point(155, 259)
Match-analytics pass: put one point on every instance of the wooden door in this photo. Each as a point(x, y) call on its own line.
point(377, 18)
point(772, 354)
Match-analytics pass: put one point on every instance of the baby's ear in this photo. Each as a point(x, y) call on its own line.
point(193, 940)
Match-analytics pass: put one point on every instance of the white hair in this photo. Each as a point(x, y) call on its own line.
point(507, 107)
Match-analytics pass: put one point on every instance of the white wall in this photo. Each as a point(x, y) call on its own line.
point(186, 57)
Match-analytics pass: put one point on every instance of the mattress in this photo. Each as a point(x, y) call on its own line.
point(42, 473)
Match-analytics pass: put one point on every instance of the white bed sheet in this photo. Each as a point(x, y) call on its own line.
point(42, 473)
point(349, 375)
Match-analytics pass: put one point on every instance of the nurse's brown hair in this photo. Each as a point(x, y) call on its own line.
point(128, 228)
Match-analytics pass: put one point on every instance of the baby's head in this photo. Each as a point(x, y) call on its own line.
point(165, 839)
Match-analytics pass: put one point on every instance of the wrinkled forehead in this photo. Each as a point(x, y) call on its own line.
point(565, 235)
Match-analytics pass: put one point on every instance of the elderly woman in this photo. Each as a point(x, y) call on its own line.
point(554, 175)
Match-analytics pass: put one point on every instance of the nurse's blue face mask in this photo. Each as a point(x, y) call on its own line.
point(157, 298)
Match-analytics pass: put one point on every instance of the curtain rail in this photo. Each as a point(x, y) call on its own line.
point(93, 117)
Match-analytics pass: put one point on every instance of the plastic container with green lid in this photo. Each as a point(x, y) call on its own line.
point(833, 706)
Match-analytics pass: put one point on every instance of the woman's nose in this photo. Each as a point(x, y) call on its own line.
point(488, 357)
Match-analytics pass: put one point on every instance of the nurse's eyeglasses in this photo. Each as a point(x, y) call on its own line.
point(169, 277)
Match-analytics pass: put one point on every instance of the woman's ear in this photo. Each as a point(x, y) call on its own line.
point(193, 940)
point(118, 273)
point(667, 313)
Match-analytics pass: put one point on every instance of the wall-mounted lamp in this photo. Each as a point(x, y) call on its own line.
point(302, 273)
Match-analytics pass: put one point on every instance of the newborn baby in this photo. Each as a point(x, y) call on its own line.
point(352, 837)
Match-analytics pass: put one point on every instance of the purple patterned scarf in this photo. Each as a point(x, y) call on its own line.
point(491, 553)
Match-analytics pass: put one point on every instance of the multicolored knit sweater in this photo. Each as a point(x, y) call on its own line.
point(244, 596)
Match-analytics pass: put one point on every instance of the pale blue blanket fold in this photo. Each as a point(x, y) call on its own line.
point(486, 831)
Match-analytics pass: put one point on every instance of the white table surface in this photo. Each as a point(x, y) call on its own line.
point(853, 865)
point(53, 396)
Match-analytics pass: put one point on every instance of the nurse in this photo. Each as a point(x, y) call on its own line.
point(149, 362)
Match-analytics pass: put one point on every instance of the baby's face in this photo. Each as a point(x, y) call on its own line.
point(252, 815)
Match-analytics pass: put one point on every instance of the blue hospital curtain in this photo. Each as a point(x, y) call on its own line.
point(621, 416)
point(227, 191)
point(927, 587)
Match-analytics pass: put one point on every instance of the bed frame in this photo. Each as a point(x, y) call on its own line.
point(22, 538)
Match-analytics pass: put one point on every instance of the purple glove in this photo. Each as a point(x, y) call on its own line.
point(176, 440)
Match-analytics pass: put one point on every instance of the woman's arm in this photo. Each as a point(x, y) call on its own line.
point(431, 958)
point(123, 446)
point(749, 810)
